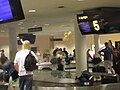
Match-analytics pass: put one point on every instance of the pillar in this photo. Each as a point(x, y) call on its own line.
point(97, 44)
point(80, 50)
point(12, 42)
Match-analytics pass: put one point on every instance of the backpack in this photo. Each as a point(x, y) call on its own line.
point(30, 62)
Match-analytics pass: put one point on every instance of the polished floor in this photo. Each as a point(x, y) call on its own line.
point(113, 86)
point(56, 86)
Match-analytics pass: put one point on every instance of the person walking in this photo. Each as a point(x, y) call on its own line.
point(25, 77)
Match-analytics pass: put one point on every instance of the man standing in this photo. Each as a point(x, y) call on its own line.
point(25, 77)
point(108, 56)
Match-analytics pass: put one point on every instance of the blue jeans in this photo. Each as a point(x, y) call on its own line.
point(25, 81)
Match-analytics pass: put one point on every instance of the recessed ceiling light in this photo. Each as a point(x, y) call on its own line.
point(2, 31)
point(47, 24)
point(52, 34)
point(32, 10)
point(80, 0)
point(20, 23)
point(34, 25)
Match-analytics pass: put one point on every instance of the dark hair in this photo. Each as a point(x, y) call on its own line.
point(3, 59)
point(106, 43)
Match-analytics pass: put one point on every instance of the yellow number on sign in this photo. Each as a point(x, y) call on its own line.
point(96, 25)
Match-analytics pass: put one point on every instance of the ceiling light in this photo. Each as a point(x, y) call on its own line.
point(18, 37)
point(47, 24)
point(32, 10)
point(20, 23)
point(34, 26)
point(81, 0)
point(65, 33)
point(69, 33)
point(52, 34)
point(2, 31)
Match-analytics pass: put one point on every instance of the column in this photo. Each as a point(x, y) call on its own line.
point(97, 44)
point(80, 50)
point(12, 43)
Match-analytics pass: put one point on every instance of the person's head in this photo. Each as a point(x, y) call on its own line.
point(60, 49)
point(56, 48)
point(64, 49)
point(106, 44)
point(88, 50)
point(26, 44)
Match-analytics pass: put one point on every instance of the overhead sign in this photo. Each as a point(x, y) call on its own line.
point(36, 29)
point(56, 39)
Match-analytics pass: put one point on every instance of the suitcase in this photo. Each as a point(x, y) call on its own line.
point(86, 82)
point(86, 79)
point(100, 69)
point(112, 78)
point(96, 60)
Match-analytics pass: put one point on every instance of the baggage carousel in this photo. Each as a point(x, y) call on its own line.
point(55, 80)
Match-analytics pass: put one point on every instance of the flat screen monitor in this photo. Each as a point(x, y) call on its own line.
point(104, 20)
point(10, 10)
point(23, 37)
point(86, 26)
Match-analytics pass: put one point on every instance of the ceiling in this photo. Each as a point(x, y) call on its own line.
point(52, 19)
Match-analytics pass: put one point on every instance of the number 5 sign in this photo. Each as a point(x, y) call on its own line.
point(96, 25)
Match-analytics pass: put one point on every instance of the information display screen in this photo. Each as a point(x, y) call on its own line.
point(10, 10)
point(23, 37)
point(99, 21)
point(88, 25)
point(5, 10)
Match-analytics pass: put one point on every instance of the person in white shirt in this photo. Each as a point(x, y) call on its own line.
point(25, 78)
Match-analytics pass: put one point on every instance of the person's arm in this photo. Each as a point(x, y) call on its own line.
point(16, 67)
point(35, 56)
point(100, 52)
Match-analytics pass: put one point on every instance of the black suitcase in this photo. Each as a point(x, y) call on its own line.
point(100, 69)
point(112, 78)
point(96, 60)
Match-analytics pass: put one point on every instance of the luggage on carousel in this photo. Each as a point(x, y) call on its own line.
point(100, 69)
point(112, 78)
point(86, 79)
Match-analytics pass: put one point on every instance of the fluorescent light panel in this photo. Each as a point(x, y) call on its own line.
point(32, 10)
